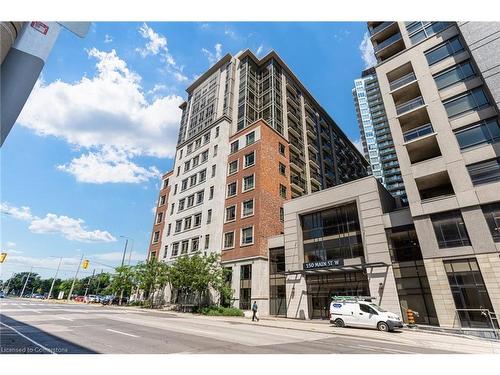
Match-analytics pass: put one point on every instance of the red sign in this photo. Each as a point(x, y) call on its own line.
point(40, 27)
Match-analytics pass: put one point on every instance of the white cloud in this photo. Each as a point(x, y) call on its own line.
point(108, 38)
point(359, 145)
point(108, 109)
point(157, 45)
point(108, 165)
point(20, 213)
point(231, 33)
point(117, 256)
point(340, 35)
point(215, 56)
point(367, 53)
point(260, 49)
point(11, 244)
point(69, 228)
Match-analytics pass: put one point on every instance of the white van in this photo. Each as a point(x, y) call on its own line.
point(358, 312)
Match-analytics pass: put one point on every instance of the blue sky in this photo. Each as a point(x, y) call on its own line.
point(81, 166)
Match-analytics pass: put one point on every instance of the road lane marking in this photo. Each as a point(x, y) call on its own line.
point(27, 338)
point(121, 333)
point(64, 318)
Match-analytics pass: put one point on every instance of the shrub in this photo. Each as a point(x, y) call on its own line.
point(221, 311)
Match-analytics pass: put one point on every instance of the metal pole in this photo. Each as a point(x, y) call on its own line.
point(130, 252)
point(88, 285)
point(26, 283)
point(124, 251)
point(8, 284)
point(54, 281)
point(74, 279)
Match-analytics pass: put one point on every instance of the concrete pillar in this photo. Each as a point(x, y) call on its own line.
point(296, 297)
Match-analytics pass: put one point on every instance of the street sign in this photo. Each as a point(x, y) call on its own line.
point(79, 28)
point(2, 257)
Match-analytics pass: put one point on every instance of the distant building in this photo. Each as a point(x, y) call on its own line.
point(376, 134)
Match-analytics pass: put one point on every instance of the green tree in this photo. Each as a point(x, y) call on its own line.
point(152, 276)
point(194, 276)
point(122, 281)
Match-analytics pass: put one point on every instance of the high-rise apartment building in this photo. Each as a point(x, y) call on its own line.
point(440, 85)
point(251, 137)
point(375, 133)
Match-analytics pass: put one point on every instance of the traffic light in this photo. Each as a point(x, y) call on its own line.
point(85, 264)
point(2, 257)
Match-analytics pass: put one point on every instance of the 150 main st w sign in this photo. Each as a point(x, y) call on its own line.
point(324, 264)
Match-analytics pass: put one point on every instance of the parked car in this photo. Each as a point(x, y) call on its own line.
point(2, 294)
point(356, 312)
point(114, 300)
point(91, 298)
point(78, 299)
point(37, 296)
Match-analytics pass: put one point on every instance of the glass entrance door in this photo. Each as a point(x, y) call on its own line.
point(321, 288)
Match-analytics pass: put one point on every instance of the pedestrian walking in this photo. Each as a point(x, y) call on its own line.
point(254, 310)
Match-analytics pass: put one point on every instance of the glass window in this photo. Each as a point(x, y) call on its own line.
point(450, 230)
point(233, 167)
point(190, 201)
point(247, 236)
point(184, 184)
point(209, 216)
point(485, 171)
point(230, 213)
point(332, 234)
point(445, 49)
point(250, 159)
point(231, 189)
point(367, 309)
point(184, 247)
point(250, 138)
point(214, 169)
point(228, 240)
point(187, 223)
point(156, 237)
point(282, 191)
point(204, 156)
point(197, 220)
point(455, 74)
point(207, 241)
point(247, 208)
point(487, 131)
point(472, 100)
point(282, 149)
point(203, 175)
point(469, 293)
point(211, 195)
point(282, 169)
point(234, 147)
point(175, 249)
point(163, 198)
point(248, 182)
point(195, 243)
point(492, 215)
point(245, 286)
point(178, 226)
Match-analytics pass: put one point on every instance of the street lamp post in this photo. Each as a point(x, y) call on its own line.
point(74, 279)
point(125, 249)
point(26, 282)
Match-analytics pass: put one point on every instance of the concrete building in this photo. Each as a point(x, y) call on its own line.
point(376, 134)
point(440, 85)
point(251, 137)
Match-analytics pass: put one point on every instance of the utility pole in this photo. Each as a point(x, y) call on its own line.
point(130, 252)
point(26, 283)
point(124, 251)
point(74, 279)
point(99, 282)
point(90, 281)
point(54, 281)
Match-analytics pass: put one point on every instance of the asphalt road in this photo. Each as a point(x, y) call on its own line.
point(35, 326)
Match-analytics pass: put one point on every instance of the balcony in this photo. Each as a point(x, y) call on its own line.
point(423, 148)
point(298, 182)
point(400, 82)
point(380, 27)
point(418, 132)
point(296, 163)
point(387, 42)
point(437, 185)
point(410, 105)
